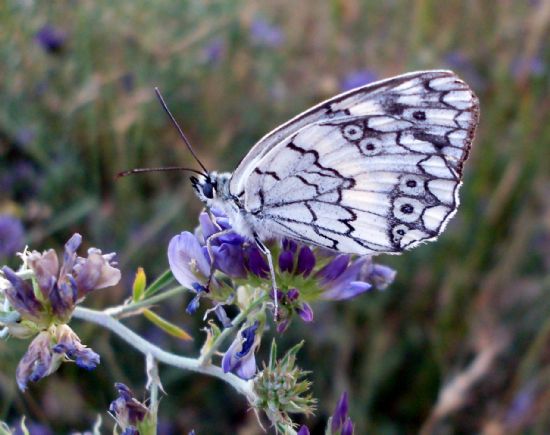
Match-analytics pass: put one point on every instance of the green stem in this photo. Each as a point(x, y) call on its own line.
point(145, 347)
point(145, 303)
point(205, 358)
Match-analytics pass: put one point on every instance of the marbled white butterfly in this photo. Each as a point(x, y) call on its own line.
point(374, 170)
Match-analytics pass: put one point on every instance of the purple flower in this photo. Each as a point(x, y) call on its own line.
point(48, 350)
point(340, 279)
point(51, 39)
point(38, 362)
point(68, 344)
point(188, 262)
point(11, 235)
point(306, 261)
point(127, 410)
point(214, 51)
point(239, 358)
point(67, 285)
point(265, 33)
point(340, 422)
point(357, 78)
point(378, 275)
point(525, 67)
point(257, 263)
point(304, 430)
point(21, 297)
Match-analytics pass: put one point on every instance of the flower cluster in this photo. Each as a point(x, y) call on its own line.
point(217, 263)
point(42, 297)
point(302, 274)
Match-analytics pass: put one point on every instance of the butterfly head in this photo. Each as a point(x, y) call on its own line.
point(211, 187)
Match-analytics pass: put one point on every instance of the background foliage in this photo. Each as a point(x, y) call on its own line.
point(459, 344)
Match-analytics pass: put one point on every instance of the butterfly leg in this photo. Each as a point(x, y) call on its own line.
point(264, 250)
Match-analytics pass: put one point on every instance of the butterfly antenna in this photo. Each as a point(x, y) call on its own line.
point(169, 168)
point(180, 131)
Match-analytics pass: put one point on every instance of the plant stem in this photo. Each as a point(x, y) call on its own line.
point(142, 345)
point(134, 306)
point(204, 360)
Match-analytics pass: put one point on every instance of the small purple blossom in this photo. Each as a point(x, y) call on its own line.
point(187, 260)
point(48, 350)
point(21, 297)
point(378, 275)
point(340, 422)
point(68, 344)
point(340, 278)
point(357, 78)
point(38, 362)
point(266, 34)
point(127, 410)
point(239, 357)
point(51, 39)
point(214, 51)
point(12, 236)
point(527, 67)
point(304, 430)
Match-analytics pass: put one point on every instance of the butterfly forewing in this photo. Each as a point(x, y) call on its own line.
point(374, 170)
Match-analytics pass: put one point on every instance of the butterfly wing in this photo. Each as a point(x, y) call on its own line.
point(374, 170)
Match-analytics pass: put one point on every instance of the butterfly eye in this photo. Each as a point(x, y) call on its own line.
point(208, 189)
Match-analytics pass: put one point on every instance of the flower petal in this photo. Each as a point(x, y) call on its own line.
point(306, 261)
point(334, 269)
point(186, 259)
point(21, 296)
point(286, 261)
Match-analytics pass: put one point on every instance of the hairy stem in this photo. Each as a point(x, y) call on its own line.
point(142, 345)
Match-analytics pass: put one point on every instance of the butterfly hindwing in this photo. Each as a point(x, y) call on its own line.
point(375, 170)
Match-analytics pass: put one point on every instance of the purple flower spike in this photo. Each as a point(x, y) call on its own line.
point(239, 358)
point(187, 260)
point(340, 413)
point(306, 261)
point(303, 430)
point(257, 264)
point(305, 312)
point(286, 261)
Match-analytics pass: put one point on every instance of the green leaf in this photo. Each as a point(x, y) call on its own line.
point(140, 282)
point(273, 355)
point(166, 326)
point(159, 283)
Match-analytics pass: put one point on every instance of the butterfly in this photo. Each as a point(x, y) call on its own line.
point(374, 170)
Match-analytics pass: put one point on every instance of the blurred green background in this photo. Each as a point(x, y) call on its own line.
point(459, 344)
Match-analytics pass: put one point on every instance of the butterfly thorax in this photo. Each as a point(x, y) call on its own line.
point(213, 190)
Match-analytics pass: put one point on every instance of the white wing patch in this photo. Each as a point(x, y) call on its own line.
point(374, 170)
